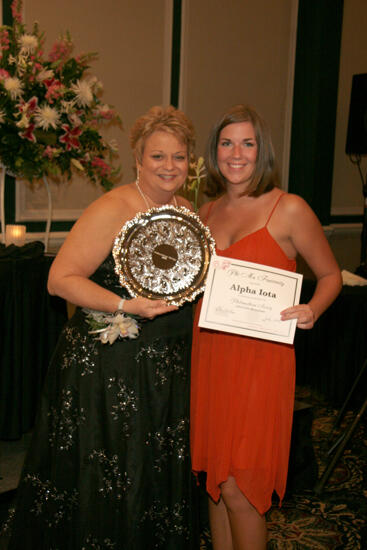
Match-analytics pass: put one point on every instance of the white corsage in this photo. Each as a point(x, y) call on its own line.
point(110, 326)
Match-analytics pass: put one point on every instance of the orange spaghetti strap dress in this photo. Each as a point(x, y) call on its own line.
point(242, 396)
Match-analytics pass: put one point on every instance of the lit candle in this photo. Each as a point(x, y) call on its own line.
point(15, 234)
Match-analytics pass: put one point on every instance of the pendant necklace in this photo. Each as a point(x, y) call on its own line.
point(145, 197)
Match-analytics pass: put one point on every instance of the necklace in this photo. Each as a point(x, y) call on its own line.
point(145, 197)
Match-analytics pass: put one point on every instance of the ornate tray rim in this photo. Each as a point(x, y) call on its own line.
point(119, 252)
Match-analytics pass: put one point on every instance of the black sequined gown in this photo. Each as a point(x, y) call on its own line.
point(108, 466)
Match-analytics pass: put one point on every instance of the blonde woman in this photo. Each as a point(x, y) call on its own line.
point(108, 466)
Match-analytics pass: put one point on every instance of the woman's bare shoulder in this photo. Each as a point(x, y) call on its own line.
point(290, 200)
point(298, 217)
point(112, 202)
point(294, 205)
point(105, 216)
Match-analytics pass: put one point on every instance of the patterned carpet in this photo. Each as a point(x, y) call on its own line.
point(336, 519)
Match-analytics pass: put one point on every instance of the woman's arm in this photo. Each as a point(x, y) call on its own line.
point(308, 239)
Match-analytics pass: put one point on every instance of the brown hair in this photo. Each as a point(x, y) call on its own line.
point(165, 119)
point(265, 176)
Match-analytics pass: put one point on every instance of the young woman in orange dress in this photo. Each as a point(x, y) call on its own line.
point(242, 388)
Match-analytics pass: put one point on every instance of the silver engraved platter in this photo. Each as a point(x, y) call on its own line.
point(164, 253)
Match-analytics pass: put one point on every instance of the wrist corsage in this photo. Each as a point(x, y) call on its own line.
point(110, 326)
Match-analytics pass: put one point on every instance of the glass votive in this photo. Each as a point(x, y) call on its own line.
point(15, 234)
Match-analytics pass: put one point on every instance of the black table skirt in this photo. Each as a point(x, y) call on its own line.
point(30, 324)
point(330, 356)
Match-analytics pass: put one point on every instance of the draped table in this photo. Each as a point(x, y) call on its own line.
point(330, 356)
point(30, 323)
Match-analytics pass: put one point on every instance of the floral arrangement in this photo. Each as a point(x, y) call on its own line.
point(192, 187)
point(50, 110)
point(110, 326)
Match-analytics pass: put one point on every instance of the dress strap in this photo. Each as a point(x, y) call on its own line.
point(274, 207)
point(208, 212)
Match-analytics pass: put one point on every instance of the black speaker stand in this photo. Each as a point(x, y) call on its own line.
point(341, 443)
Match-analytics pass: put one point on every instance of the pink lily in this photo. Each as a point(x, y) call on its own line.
point(28, 107)
point(28, 133)
point(70, 138)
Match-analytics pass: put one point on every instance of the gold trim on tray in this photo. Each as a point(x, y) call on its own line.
point(164, 253)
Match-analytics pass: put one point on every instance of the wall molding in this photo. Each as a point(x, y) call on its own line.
point(347, 211)
point(344, 228)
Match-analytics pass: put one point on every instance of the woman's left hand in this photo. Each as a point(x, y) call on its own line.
point(303, 313)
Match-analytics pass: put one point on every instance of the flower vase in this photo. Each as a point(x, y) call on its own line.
point(5, 171)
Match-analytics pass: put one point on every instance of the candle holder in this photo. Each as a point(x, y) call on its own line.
point(15, 234)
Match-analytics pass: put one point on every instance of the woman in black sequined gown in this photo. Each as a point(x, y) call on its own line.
point(108, 466)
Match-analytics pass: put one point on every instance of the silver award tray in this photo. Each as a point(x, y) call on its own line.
point(164, 253)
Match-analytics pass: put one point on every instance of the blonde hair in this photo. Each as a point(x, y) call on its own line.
point(165, 119)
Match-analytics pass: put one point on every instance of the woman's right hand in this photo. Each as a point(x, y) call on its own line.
point(147, 308)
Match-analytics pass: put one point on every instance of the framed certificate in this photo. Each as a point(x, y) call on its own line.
point(247, 298)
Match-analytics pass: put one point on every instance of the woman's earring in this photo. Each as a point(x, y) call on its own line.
point(137, 175)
